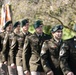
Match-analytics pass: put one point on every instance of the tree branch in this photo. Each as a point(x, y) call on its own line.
point(49, 14)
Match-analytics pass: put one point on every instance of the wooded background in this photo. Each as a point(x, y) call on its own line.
point(51, 12)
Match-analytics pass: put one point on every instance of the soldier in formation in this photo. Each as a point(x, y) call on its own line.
point(68, 56)
point(32, 49)
point(23, 53)
point(5, 45)
point(18, 43)
point(50, 52)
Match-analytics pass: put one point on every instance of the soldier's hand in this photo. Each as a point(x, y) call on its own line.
point(13, 65)
point(26, 72)
point(1, 64)
point(50, 73)
point(70, 73)
point(5, 62)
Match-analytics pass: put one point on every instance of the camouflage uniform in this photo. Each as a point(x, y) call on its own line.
point(6, 46)
point(17, 48)
point(50, 52)
point(6, 51)
point(31, 52)
point(50, 56)
point(68, 56)
point(2, 35)
point(6, 40)
point(4, 69)
point(0, 50)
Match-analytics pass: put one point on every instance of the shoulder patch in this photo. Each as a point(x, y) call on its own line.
point(61, 52)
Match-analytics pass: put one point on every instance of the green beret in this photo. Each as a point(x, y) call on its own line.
point(37, 24)
point(24, 22)
point(16, 24)
point(7, 24)
point(56, 28)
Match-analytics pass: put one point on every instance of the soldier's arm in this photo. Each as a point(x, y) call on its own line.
point(64, 55)
point(26, 54)
point(0, 44)
point(1, 41)
point(5, 45)
point(13, 49)
point(44, 57)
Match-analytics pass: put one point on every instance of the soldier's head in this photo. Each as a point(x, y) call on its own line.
point(16, 26)
point(38, 26)
point(57, 31)
point(8, 26)
point(25, 24)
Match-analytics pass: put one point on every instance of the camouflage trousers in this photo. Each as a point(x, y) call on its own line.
point(12, 71)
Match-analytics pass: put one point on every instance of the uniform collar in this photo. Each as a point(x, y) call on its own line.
point(16, 32)
point(58, 40)
point(25, 33)
point(39, 34)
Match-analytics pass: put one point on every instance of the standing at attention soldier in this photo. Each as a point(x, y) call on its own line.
point(68, 56)
point(17, 44)
point(50, 52)
point(32, 49)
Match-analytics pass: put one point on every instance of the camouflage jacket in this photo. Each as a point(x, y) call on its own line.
point(6, 46)
point(68, 56)
point(17, 47)
point(50, 56)
point(31, 50)
point(2, 35)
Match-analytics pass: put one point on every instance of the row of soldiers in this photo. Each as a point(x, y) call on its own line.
point(11, 47)
point(23, 53)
